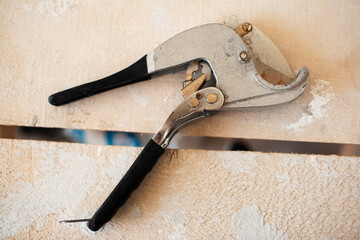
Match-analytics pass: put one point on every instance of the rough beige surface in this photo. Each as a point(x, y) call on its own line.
point(47, 46)
point(190, 194)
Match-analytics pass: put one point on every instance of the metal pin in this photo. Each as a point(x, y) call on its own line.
point(243, 56)
point(76, 220)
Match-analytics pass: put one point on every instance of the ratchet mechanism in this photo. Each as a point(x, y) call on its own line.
point(227, 69)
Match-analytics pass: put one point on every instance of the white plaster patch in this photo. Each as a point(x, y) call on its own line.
point(324, 170)
point(285, 181)
point(165, 99)
point(200, 222)
point(3, 152)
point(293, 161)
point(5, 93)
point(161, 20)
point(137, 97)
point(355, 162)
point(99, 151)
point(244, 164)
point(27, 7)
point(323, 94)
point(248, 223)
point(55, 7)
point(356, 193)
point(34, 120)
point(178, 221)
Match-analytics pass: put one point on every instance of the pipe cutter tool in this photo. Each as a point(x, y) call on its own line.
point(227, 69)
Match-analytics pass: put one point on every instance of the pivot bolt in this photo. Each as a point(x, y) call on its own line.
point(193, 102)
point(247, 27)
point(211, 98)
point(244, 56)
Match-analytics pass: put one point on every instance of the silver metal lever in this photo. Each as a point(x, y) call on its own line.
point(199, 104)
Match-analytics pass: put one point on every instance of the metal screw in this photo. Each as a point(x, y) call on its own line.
point(244, 56)
point(194, 102)
point(211, 98)
point(247, 27)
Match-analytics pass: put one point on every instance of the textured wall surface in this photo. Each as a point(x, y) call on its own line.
point(189, 195)
point(50, 45)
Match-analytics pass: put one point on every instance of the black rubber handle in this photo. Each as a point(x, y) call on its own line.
point(137, 72)
point(129, 183)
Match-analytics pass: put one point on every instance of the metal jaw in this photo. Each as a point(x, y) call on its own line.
point(267, 94)
point(198, 105)
point(250, 81)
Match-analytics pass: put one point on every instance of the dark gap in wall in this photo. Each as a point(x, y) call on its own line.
point(184, 142)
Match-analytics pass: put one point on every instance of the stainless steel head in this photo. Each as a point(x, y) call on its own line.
point(249, 69)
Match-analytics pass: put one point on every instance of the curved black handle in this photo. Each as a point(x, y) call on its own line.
point(136, 72)
point(129, 183)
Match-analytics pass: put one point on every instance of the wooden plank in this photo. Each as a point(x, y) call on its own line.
point(190, 194)
point(48, 46)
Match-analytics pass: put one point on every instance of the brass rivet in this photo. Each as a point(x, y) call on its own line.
point(211, 98)
point(193, 102)
point(247, 27)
